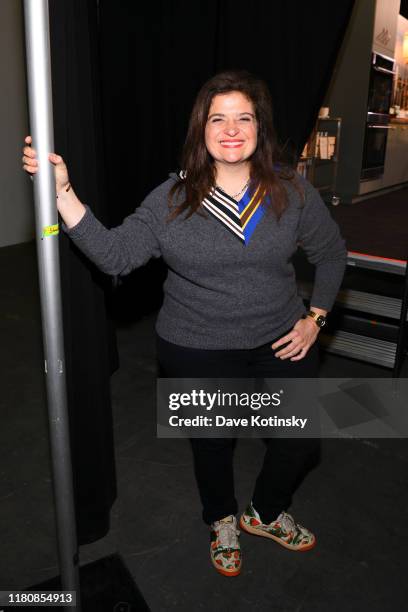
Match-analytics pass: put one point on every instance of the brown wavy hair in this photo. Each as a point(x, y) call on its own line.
point(198, 164)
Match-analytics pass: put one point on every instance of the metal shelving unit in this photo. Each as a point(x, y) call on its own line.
point(322, 173)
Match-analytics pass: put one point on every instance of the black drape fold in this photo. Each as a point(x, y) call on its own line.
point(155, 57)
point(292, 45)
point(90, 343)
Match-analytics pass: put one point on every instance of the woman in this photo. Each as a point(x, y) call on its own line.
point(227, 226)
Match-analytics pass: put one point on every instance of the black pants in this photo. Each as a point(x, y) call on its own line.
point(285, 459)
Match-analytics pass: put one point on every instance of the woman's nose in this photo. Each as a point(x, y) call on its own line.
point(231, 127)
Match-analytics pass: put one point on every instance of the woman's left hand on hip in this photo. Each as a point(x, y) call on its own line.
point(300, 338)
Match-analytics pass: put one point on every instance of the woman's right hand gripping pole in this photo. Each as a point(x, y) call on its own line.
point(69, 207)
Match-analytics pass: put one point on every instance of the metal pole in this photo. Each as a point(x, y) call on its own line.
point(37, 38)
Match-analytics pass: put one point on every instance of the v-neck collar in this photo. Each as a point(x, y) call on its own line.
point(240, 217)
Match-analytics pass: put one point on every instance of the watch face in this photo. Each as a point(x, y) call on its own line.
point(320, 320)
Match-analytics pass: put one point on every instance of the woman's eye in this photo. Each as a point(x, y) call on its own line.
point(220, 119)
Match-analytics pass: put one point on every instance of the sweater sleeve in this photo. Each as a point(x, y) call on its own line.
point(119, 250)
point(319, 237)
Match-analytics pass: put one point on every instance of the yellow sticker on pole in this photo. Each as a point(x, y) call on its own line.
point(50, 230)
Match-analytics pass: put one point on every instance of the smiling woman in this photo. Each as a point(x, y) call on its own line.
point(227, 226)
point(231, 139)
point(231, 142)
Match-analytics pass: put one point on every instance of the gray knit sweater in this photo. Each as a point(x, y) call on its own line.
point(219, 292)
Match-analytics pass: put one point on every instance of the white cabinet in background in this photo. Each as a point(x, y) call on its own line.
point(385, 26)
point(396, 157)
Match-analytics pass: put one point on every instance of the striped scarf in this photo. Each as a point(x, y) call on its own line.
point(239, 218)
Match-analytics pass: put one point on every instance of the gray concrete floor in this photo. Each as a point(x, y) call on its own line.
point(355, 500)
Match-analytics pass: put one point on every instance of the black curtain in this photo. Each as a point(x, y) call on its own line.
point(154, 58)
point(90, 343)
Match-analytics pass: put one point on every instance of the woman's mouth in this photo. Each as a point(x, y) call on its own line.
point(231, 144)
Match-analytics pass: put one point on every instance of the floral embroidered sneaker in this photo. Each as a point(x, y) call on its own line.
point(283, 530)
point(225, 550)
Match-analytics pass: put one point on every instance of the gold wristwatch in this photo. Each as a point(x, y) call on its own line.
point(319, 319)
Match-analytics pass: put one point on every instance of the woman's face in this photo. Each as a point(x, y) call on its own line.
point(231, 128)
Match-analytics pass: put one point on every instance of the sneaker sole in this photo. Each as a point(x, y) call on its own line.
point(254, 531)
point(225, 572)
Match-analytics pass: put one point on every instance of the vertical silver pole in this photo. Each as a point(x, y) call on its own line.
point(46, 219)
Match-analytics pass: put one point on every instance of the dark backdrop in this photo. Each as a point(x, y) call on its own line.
point(124, 77)
point(155, 56)
point(89, 337)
